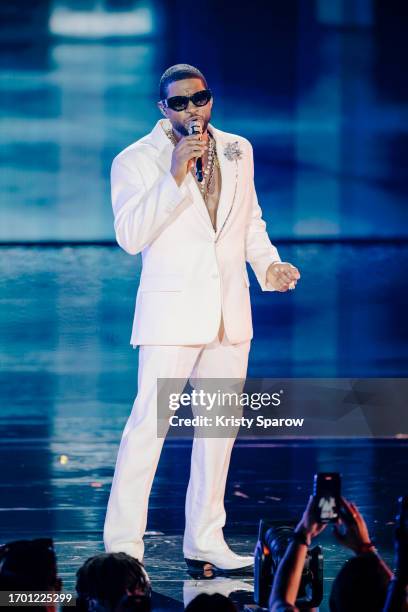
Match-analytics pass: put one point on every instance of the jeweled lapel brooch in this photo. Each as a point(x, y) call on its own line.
point(232, 151)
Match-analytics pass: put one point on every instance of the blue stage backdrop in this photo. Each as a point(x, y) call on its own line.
point(318, 87)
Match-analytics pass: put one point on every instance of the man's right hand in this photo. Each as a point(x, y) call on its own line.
point(184, 154)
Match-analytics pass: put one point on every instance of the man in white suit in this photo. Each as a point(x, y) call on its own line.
point(193, 313)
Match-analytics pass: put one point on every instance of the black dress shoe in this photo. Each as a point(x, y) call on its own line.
point(199, 569)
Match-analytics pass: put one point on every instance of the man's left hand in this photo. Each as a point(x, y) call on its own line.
point(282, 276)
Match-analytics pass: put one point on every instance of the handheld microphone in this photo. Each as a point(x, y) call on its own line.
point(195, 127)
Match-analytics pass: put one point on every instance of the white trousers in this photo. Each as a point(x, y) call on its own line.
point(140, 449)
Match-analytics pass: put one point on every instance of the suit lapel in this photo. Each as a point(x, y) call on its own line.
point(198, 201)
point(228, 171)
point(165, 146)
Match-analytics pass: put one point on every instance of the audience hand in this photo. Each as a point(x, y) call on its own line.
point(309, 523)
point(351, 530)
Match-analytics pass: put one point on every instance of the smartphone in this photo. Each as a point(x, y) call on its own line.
point(327, 492)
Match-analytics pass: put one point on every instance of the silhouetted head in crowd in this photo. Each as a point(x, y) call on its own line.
point(215, 603)
point(360, 586)
point(29, 565)
point(113, 582)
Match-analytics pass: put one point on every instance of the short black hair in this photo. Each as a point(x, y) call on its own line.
point(106, 577)
point(215, 602)
point(28, 565)
point(178, 72)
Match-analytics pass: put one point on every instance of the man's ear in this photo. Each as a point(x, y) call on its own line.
point(161, 109)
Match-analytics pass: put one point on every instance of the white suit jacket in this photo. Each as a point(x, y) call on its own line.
point(190, 273)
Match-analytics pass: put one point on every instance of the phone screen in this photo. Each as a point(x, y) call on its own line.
point(326, 490)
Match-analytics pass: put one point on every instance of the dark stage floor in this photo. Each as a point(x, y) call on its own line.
point(40, 495)
point(68, 376)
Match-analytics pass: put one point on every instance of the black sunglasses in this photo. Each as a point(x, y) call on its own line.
point(180, 103)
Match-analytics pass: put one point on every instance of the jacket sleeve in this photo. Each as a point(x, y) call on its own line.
point(140, 211)
point(260, 252)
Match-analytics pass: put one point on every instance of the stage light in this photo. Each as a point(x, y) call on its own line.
point(100, 23)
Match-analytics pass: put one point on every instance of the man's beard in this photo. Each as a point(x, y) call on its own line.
point(181, 129)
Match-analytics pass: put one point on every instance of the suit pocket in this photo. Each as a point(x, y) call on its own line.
point(161, 282)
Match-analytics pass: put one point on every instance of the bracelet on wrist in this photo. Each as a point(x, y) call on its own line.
point(366, 547)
